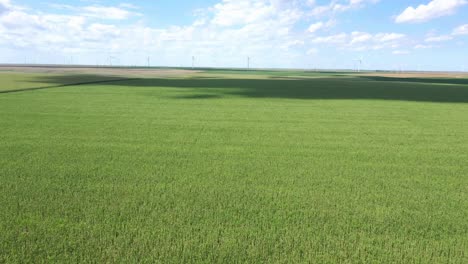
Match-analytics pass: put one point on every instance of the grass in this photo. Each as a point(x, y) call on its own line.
point(216, 168)
point(17, 81)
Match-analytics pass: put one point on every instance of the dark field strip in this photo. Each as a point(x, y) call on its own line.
point(235, 171)
point(63, 85)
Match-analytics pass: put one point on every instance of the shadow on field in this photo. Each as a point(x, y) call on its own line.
point(454, 81)
point(67, 80)
point(354, 87)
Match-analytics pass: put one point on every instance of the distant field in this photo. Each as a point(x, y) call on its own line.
point(231, 166)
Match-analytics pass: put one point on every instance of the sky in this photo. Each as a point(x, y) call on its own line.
point(426, 35)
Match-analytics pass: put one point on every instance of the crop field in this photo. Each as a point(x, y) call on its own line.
point(154, 166)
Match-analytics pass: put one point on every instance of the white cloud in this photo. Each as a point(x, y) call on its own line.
point(119, 12)
point(98, 31)
point(106, 12)
point(4, 6)
point(385, 37)
point(336, 6)
point(267, 31)
point(311, 2)
point(421, 46)
point(129, 6)
point(362, 40)
point(358, 37)
point(240, 12)
point(23, 28)
point(400, 52)
point(232, 13)
point(461, 30)
point(439, 38)
point(315, 27)
point(332, 39)
point(312, 51)
point(434, 9)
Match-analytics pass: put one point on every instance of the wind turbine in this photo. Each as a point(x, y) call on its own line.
point(248, 63)
point(110, 60)
point(193, 62)
point(359, 64)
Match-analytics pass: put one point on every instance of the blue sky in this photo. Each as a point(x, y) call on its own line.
point(384, 34)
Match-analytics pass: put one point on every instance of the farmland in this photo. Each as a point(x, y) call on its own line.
point(232, 166)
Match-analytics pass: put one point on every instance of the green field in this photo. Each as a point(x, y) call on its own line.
point(233, 167)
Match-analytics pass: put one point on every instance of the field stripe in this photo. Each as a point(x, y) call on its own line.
point(65, 85)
